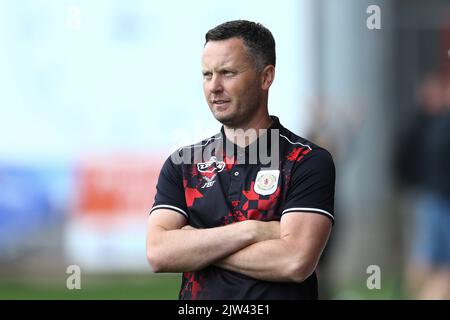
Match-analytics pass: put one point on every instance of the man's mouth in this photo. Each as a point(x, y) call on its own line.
point(220, 102)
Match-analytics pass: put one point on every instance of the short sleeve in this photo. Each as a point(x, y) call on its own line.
point(170, 190)
point(312, 185)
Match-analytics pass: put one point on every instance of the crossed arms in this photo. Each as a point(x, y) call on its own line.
point(288, 250)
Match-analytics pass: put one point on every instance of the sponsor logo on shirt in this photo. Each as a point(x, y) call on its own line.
point(211, 165)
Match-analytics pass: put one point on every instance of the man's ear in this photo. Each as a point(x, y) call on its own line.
point(267, 76)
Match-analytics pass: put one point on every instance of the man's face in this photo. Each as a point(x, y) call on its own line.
point(231, 83)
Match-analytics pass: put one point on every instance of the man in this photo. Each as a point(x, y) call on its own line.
point(239, 226)
point(427, 179)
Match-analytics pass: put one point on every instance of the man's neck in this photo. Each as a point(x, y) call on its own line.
point(245, 135)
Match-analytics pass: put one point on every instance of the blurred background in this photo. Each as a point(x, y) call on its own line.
point(95, 95)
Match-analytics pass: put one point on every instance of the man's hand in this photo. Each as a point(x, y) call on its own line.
point(188, 227)
point(266, 230)
point(291, 256)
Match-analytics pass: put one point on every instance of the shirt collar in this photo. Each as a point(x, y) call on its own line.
point(239, 150)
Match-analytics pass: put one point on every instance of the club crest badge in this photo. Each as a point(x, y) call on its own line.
point(266, 182)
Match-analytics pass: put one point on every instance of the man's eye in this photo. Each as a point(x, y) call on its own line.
point(207, 75)
point(229, 73)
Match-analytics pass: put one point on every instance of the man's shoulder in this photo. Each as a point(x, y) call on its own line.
point(294, 140)
point(201, 144)
point(187, 154)
point(307, 156)
point(300, 149)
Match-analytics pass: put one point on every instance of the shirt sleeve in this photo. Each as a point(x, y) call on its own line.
point(170, 190)
point(312, 185)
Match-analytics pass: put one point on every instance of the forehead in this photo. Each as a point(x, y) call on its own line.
point(224, 52)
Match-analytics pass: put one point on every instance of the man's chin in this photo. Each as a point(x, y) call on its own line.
point(226, 120)
point(223, 118)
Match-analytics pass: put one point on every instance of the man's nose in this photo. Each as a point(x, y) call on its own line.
point(216, 84)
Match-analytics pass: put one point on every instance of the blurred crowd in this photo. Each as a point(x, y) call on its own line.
point(423, 165)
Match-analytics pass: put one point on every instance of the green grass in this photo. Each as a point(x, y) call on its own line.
point(391, 289)
point(93, 287)
point(152, 287)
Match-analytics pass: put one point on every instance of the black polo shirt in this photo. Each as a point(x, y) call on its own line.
point(213, 185)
